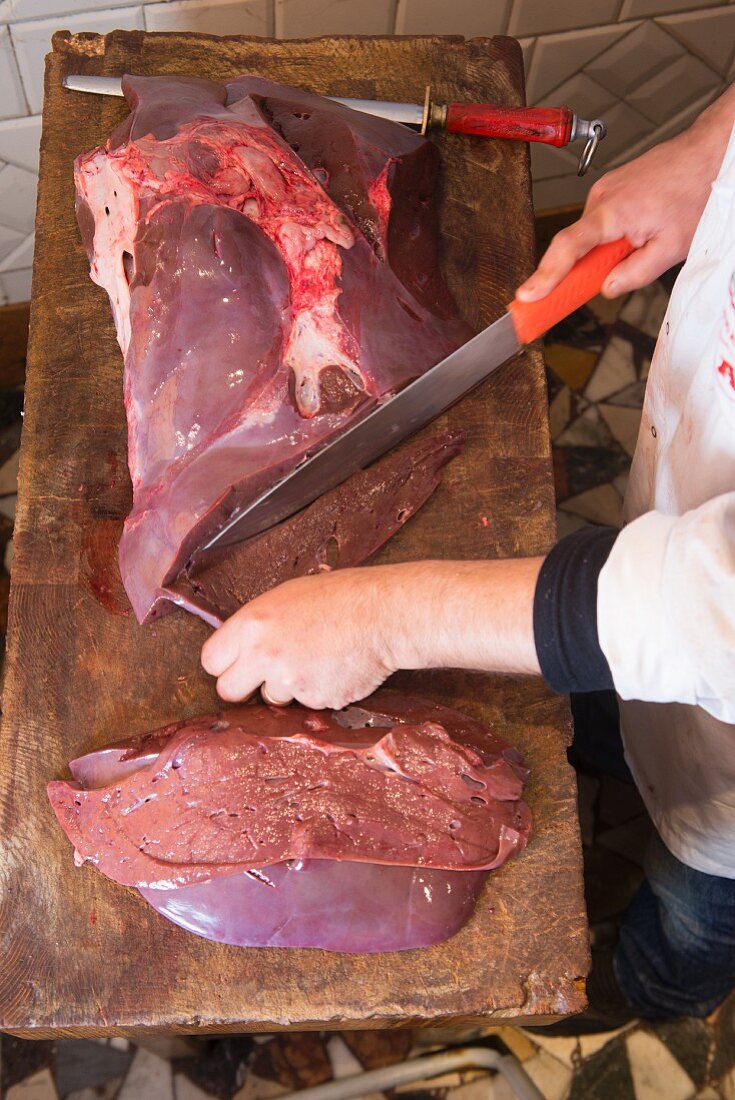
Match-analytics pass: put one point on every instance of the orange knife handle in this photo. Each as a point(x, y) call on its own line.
point(584, 281)
point(551, 125)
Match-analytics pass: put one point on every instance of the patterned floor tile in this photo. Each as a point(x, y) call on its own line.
point(297, 1061)
point(224, 1066)
point(485, 1087)
point(605, 1076)
point(573, 365)
point(589, 1045)
point(630, 396)
point(656, 1073)
point(9, 474)
point(149, 1076)
point(690, 1042)
point(549, 1075)
point(577, 469)
point(83, 1063)
point(564, 1049)
point(108, 1091)
point(379, 1048)
point(645, 308)
point(259, 1088)
point(624, 423)
point(516, 1040)
point(614, 371)
point(621, 484)
point(723, 1061)
point(342, 1060)
point(607, 310)
point(642, 346)
point(38, 1087)
point(184, 1089)
point(587, 430)
point(727, 1087)
point(580, 329)
point(560, 412)
point(175, 1046)
point(20, 1058)
point(599, 505)
point(567, 524)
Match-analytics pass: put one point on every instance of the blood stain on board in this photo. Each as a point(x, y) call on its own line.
point(99, 566)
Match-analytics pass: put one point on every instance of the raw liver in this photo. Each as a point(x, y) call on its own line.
point(353, 848)
point(271, 262)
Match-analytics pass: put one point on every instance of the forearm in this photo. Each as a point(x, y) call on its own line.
point(711, 130)
point(473, 614)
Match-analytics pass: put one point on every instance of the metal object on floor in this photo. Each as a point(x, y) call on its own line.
point(423, 1069)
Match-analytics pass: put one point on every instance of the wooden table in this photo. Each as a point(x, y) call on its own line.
point(81, 956)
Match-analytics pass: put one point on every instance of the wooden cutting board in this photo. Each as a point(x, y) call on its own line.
point(82, 956)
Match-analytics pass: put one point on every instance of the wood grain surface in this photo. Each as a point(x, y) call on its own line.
point(82, 956)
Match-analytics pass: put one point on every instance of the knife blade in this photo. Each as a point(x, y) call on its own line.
point(424, 399)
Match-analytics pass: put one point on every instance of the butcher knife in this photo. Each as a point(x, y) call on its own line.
point(551, 125)
point(425, 399)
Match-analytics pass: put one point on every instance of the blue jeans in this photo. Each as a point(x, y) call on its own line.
point(676, 943)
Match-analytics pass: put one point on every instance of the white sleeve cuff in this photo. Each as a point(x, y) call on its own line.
point(666, 608)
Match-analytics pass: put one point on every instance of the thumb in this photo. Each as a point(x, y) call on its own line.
point(567, 247)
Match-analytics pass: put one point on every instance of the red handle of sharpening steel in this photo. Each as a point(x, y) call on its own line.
point(584, 281)
point(552, 125)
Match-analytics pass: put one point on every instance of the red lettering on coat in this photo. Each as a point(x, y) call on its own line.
point(727, 370)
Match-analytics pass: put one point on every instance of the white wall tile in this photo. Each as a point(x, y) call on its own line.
point(680, 83)
point(17, 198)
point(528, 45)
point(19, 141)
point(635, 58)
point(625, 127)
point(16, 286)
point(472, 18)
point(634, 8)
point(13, 11)
point(22, 253)
point(547, 16)
point(564, 191)
point(585, 96)
point(310, 18)
point(33, 42)
point(675, 125)
point(557, 56)
point(548, 162)
point(12, 100)
point(710, 34)
point(220, 17)
point(9, 241)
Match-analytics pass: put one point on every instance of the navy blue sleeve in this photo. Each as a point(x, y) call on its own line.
point(565, 612)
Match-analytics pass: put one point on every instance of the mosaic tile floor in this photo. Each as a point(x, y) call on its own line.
point(597, 365)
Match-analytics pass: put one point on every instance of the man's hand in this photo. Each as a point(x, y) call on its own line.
point(330, 639)
point(656, 201)
point(318, 639)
